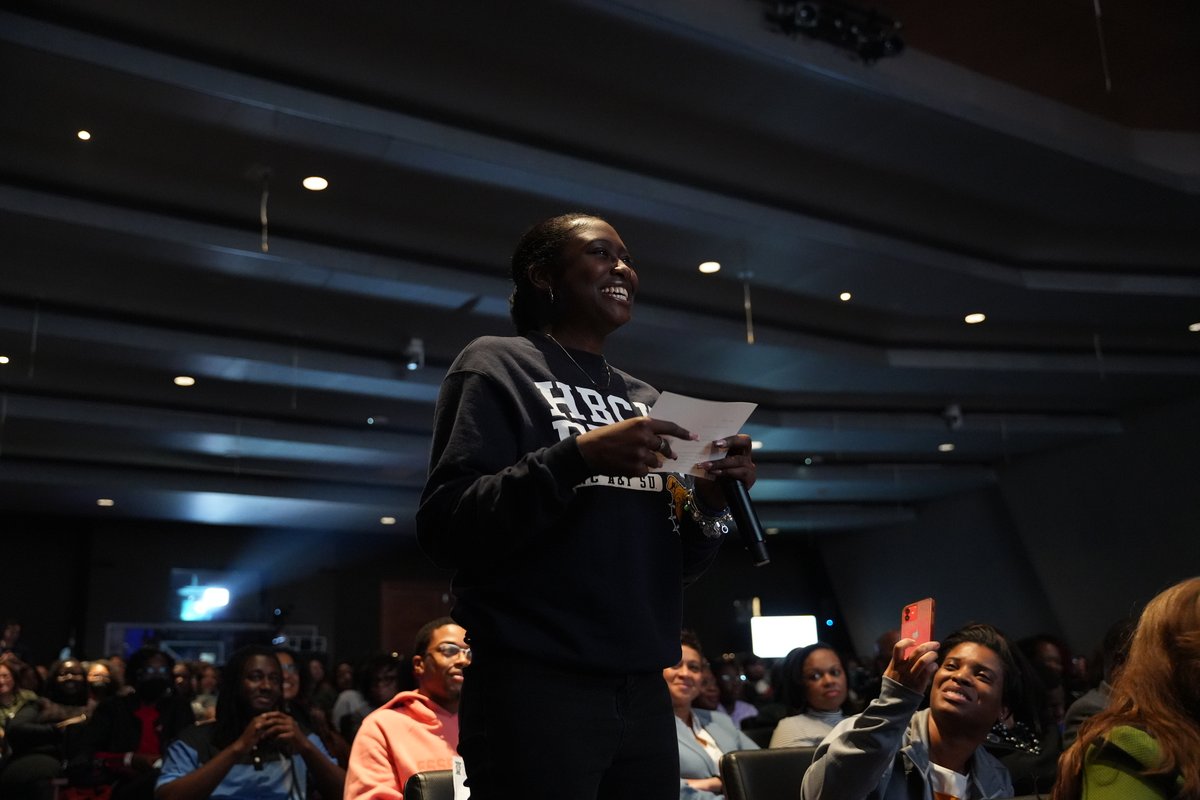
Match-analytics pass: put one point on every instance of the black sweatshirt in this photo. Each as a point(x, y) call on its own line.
point(578, 570)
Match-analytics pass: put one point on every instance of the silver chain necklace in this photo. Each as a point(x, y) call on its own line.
point(607, 368)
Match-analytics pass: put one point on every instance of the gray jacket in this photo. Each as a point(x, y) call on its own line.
point(858, 759)
point(694, 760)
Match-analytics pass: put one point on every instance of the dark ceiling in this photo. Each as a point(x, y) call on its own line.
point(924, 188)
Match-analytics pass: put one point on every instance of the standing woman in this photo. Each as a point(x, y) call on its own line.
point(570, 552)
point(1144, 745)
point(814, 690)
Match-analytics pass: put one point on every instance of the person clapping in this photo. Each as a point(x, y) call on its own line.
point(253, 749)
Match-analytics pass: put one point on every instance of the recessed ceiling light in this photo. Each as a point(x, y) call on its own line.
point(974, 318)
point(84, 135)
point(106, 502)
point(185, 380)
point(946, 447)
point(387, 520)
point(315, 183)
point(845, 297)
point(1194, 327)
point(772, 531)
point(709, 267)
point(3, 359)
point(755, 444)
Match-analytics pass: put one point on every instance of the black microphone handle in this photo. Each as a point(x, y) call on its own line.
point(738, 498)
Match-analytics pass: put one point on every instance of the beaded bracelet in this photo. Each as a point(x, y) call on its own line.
point(714, 526)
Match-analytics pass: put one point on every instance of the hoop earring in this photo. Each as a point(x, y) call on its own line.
point(552, 296)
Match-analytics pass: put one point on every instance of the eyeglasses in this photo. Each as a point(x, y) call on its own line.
point(153, 671)
point(450, 650)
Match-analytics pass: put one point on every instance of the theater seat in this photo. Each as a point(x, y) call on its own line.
point(765, 774)
point(433, 785)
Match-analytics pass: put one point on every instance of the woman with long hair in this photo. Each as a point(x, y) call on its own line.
point(1146, 744)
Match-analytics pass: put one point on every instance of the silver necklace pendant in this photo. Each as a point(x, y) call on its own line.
point(586, 374)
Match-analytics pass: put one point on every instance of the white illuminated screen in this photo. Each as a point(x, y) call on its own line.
point(775, 637)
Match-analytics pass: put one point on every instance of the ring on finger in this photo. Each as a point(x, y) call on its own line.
point(664, 446)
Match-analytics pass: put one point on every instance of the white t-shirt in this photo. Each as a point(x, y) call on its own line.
point(946, 783)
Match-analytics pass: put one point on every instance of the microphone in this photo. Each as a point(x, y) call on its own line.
point(738, 498)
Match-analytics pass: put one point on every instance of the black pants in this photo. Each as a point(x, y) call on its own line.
point(530, 731)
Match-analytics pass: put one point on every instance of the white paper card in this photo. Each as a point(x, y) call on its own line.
point(709, 419)
point(461, 792)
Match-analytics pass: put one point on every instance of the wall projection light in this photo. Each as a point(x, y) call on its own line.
point(201, 602)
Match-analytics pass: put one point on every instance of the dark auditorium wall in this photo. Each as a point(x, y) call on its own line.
point(718, 606)
point(962, 551)
point(1066, 543)
point(1110, 524)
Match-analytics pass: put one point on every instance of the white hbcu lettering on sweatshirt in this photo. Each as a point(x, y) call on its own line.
point(646, 483)
point(595, 403)
point(558, 402)
point(566, 402)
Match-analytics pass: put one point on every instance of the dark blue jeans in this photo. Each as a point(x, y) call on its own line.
point(531, 731)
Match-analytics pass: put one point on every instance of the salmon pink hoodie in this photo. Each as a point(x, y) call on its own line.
point(409, 734)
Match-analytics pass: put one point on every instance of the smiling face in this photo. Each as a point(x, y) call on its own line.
point(98, 673)
point(261, 684)
point(594, 286)
point(824, 680)
point(439, 671)
point(968, 690)
point(291, 678)
point(683, 679)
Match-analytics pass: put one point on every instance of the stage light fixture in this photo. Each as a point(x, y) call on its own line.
point(867, 33)
point(414, 354)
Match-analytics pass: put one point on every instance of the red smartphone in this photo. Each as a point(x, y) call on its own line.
point(916, 622)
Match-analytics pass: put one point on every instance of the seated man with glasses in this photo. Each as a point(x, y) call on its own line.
point(415, 731)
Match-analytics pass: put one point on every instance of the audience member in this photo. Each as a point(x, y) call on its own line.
point(343, 676)
point(40, 741)
point(873, 683)
point(894, 751)
point(418, 730)
point(378, 682)
point(296, 693)
point(757, 687)
point(1051, 658)
point(1027, 740)
point(10, 642)
point(703, 736)
point(204, 704)
point(729, 685)
point(15, 703)
point(324, 695)
point(1144, 745)
point(709, 697)
point(814, 690)
point(102, 683)
point(253, 749)
point(1113, 652)
point(117, 666)
point(128, 734)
